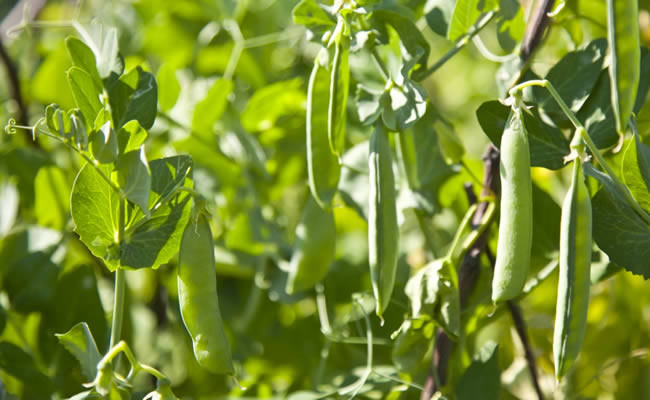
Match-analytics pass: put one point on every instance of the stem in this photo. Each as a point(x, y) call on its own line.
point(383, 70)
point(120, 287)
point(580, 129)
point(460, 43)
point(466, 221)
point(520, 327)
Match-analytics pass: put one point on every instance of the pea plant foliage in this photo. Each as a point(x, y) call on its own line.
point(310, 199)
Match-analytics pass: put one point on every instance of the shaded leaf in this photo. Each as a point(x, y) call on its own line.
point(80, 342)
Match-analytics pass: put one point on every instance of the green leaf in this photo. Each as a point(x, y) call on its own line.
point(466, 13)
point(52, 197)
point(83, 57)
point(104, 144)
point(574, 77)
point(353, 185)
point(272, 102)
point(617, 229)
point(310, 14)
point(152, 242)
point(624, 71)
point(9, 199)
point(30, 281)
point(80, 342)
point(168, 87)
point(510, 24)
point(17, 363)
point(107, 46)
point(134, 97)
point(451, 147)
point(211, 107)
point(431, 292)
point(86, 93)
point(413, 346)
point(134, 178)
point(597, 113)
point(548, 146)
point(633, 169)
point(438, 13)
point(250, 233)
point(131, 137)
point(322, 166)
point(403, 104)
point(482, 379)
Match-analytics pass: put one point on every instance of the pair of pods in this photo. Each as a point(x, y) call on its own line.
point(515, 242)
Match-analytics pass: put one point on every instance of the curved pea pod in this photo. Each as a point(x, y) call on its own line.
point(197, 295)
point(383, 231)
point(516, 218)
point(574, 282)
point(339, 88)
point(323, 166)
point(314, 249)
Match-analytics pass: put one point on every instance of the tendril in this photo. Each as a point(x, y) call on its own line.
point(10, 128)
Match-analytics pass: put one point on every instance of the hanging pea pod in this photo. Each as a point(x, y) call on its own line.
point(323, 167)
point(197, 296)
point(516, 219)
point(383, 230)
point(339, 87)
point(574, 282)
point(314, 250)
point(624, 68)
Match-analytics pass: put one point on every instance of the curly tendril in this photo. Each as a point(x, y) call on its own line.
point(10, 128)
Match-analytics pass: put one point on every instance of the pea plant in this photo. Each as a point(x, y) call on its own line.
point(293, 213)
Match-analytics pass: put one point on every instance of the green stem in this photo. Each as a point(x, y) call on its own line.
point(383, 70)
point(120, 287)
point(136, 366)
point(464, 224)
point(460, 43)
point(580, 129)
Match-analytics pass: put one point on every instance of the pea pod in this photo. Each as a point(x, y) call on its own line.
point(314, 249)
point(339, 82)
point(197, 295)
point(574, 282)
point(383, 231)
point(516, 219)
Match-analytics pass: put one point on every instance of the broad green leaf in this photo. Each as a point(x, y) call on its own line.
point(134, 178)
point(624, 71)
point(49, 83)
point(272, 102)
point(548, 146)
point(415, 50)
point(19, 364)
point(30, 281)
point(438, 13)
point(338, 96)
point(322, 166)
point(310, 14)
point(466, 13)
point(618, 230)
point(152, 242)
point(134, 97)
point(86, 93)
point(211, 107)
point(106, 49)
point(9, 198)
point(403, 104)
point(131, 137)
point(451, 147)
point(80, 342)
point(52, 198)
point(597, 113)
point(482, 379)
point(353, 185)
point(546, 227)
point(574, 77)
point(314, 249)
point(431, 292)
point(635, 169)
point(413, 346)
point(94, 206)
point(82, 56)
point(510, 24)
point(168, 87)
point(21, 164)
point(104, 144)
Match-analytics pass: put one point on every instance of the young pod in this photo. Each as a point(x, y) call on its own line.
point(516, 217)
point(314, 249)
point(197, 296)
point(574, 280)
point(383, 231)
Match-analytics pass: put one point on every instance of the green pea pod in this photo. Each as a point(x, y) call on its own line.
point(574, 282)
point(314, 249)
point(323, 167)
point(624, 68)
point(197, 295)
point(516, 219)
point(339, 87)
point(383, 231)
